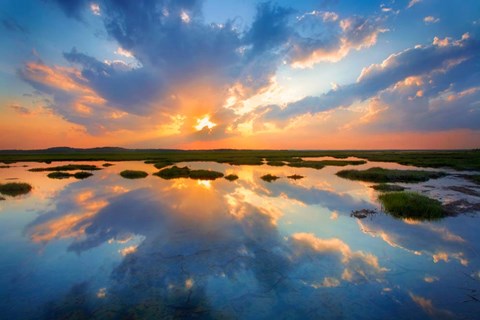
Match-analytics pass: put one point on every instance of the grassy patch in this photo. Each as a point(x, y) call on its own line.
point(68, 167)
point(15, 188)
point(269, 177)
point(204, 174)
point(162, 164)
point(4, 167)
point(82, 175)
point(412, 205)
point(276, 163)
point(377, 174)
point(231, 177)
point(174, 172)
point(306, 164)
point(295, 177)
point(385, 187)
point(107, 165)
point(133, 174)
point(185, 172)
point(59, 175)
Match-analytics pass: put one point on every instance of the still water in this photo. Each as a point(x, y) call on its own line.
point(111, 248)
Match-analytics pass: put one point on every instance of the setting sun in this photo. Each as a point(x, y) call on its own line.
point(204, 122)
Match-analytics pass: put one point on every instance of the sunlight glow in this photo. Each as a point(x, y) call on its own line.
point(204, 122)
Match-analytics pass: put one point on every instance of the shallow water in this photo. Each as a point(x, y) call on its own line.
point(153, 248)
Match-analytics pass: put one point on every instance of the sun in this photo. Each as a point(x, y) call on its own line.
point(204, 122)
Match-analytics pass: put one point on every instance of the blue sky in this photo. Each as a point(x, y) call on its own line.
point(244, 74)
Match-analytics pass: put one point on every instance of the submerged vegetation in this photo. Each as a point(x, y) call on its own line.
point(412, 205)
point(231, 177)
point(185, 172)
point(385, 187)
point(377, 174)
point(15, 188)
point(269, 177)
point(68, 167)
point(133, 174)
point(295, 177)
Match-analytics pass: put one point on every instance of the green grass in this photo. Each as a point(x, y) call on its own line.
point(133, 174)
point(456, 159)
point(385, 187)
point(412, 205)
point(231, 177)
point(295, 177)
point(173, 172)
point(185, 172)
point(269, 177)
point(377, 174)
point(68, 167)
point(162, 164)
point(82, 175)
point(204, 174)
point(306, 164)
point(59, 175)
point(107, 165)
point(15, 188)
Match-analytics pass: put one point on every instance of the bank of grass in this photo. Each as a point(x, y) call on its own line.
point(15, 188)
point(106, 165)
point(231, 177)
point(275, 163)
point(65, 175)
point(412, 205)
point(185, 172)
point(269, 177)
point(385, 187)
point(456, 159)
point(382, 175)
point(68, 167)
point(133, 174)
point(295, 177)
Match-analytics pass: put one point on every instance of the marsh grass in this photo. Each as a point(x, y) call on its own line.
point(59, 175)
point(377, 174)
point(269, 178)
point(295, 177)
point(15, 188)
point(306, 164)
point(385, 187)
point(276, 163)
point(68, 167)
point(133, 174)
point(412, 205)
point(106, 165)
point(231, 177)
point(82, 175)
point(185, 172)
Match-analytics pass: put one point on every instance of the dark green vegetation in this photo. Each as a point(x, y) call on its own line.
point(412, 205)
point(68, 167)
point(319, 164)
point(231, 177)
point(133, 174)
point(107, 165)
point(377, 174)
point(66, 175)
point(59, 175)
point(269, 177)
point(275, 163)
point(456, 159)
point(185, 172)
point(15, 188)
point(295, 177)
point(385, 187)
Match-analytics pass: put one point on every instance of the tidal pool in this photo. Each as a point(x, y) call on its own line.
point(113, 248)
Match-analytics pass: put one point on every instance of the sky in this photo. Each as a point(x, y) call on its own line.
point(203, 74)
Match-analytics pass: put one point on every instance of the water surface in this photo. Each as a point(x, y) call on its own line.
point(108, 247)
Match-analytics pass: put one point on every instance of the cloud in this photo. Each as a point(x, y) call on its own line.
point(19, 109)
point(12, 25)
point(430, 20)
point(439, 63)
point(412, 3)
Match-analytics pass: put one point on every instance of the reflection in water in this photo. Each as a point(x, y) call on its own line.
point(244, 249)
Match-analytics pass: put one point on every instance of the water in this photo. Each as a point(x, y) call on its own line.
point(111, 248)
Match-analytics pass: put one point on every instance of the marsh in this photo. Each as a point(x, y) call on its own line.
point(235, 247)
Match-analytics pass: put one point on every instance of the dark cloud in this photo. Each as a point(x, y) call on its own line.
point(20, 109)
point(12, 25)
